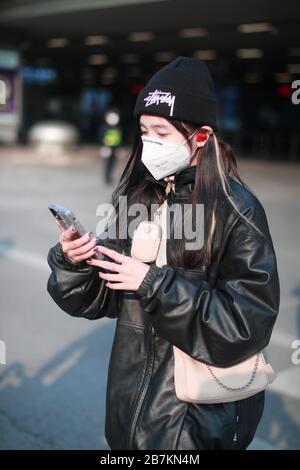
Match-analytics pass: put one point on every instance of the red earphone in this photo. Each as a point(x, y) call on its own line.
point(201, 136)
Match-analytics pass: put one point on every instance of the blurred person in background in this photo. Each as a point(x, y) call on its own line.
point(111, 139)
point(218, 304)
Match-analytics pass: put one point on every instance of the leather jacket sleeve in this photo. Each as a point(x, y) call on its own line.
point(230, 321)
point(77, 289)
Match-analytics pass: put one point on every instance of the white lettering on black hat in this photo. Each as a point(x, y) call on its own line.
point(158, 96)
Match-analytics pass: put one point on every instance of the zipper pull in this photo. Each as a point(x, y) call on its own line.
point(236, 432)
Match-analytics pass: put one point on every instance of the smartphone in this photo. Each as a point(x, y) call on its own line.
point(65, 218)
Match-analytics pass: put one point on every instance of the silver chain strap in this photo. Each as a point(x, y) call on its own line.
point(230, 389)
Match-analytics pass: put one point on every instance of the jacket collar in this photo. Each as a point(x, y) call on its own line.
point(184, 180)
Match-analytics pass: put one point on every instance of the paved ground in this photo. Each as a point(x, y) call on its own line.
point(52, 389)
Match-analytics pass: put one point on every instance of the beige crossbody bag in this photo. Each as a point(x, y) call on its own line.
point(196, 381)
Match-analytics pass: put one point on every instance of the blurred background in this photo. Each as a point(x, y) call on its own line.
point(70, 72)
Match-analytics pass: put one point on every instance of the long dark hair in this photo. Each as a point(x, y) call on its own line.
point(211, 172)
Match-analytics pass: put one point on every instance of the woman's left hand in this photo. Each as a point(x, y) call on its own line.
point(127, 272)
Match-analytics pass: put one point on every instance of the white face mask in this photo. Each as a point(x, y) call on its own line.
point(165, 158)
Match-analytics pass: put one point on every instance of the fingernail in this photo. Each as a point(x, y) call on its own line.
point(91, 234)
point(89, 260)
point(95, 250)
point(74, 228)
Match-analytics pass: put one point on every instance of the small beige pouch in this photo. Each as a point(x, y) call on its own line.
point(146, 241)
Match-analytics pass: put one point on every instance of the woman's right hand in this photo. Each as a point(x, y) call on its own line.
point(75, 248)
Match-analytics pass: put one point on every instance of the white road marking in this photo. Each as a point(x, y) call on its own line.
point(288, 382)
point(55, 373)
point(283, 339)
point(30, 259)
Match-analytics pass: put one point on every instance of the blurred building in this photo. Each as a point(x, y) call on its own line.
point(75, 58)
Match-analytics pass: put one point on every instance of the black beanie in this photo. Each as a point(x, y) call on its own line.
point(182, 89)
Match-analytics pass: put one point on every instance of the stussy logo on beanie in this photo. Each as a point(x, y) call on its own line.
point(158, 96)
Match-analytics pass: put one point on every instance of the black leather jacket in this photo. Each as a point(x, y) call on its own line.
point(220, 317)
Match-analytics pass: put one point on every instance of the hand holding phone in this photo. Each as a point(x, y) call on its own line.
point(77, 244)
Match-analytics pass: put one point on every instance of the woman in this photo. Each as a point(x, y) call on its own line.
point(217, 303)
